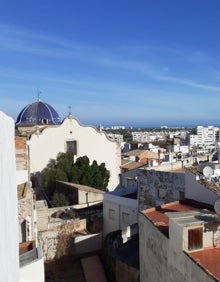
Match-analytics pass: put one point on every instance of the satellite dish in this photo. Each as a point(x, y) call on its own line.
point(217, 206)
point(207, 171)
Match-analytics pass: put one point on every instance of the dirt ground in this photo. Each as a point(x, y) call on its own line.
point(65, 269)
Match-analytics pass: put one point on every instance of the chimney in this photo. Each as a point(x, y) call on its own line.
point(159, 151)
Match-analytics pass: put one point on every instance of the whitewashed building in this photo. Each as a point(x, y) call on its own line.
point(48, 136)
point(176, 243)
point(9, 257)
point(120, 210)
point(179, 241)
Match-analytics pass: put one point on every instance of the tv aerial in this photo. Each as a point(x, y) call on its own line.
point(207, 171)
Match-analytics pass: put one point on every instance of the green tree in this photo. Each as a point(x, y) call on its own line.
point(60, 200)
point(48, 179)
point(84, 171)
point(80, 172)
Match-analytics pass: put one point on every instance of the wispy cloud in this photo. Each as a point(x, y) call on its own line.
point(92, 76)
point(25, 41)
point(182, 81)
point(156, 74)
point(22, 40)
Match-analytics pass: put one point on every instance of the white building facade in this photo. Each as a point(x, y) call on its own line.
point(205, 137)
point(119, 212)
point(9, 257)
point(168, 258)
point(83, 141)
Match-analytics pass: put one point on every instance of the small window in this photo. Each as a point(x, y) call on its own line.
point(195, 238)
point(45, 121)
point(161, 193)
point(71, 146)
point(111, 214)
point(125, 217)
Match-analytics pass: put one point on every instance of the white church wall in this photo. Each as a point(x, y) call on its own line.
point(90, 142)
point(9, 258)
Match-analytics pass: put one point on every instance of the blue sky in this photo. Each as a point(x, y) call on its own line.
point(138, 63)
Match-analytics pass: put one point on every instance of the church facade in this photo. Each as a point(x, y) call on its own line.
point(48, 136)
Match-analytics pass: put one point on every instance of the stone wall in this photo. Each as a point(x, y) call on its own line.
point(159, 187)
point(155, 187)
point(58, 240)
point(25, 210)
point(93, 215)
point(58, 228)
point(42, 217)
point(21, 153)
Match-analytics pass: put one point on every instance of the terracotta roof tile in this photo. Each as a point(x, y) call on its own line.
point(141, 153)
point(26, 247)
point(159, 217)
point(208, 259)
point(131, 165)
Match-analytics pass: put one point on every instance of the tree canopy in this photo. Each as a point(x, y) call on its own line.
point(63, 168)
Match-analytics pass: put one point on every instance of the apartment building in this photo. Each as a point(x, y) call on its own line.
point(205, 137)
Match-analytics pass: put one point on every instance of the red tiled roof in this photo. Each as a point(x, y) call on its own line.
point(158, 217)
point(26, 246)
point(141, 153)
point(208, 259)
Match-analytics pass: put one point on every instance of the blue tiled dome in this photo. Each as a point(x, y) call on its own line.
point(38, 113)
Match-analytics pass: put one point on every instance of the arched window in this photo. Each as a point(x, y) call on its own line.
point(45, 121)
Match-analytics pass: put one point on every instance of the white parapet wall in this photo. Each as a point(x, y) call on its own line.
point(9, 258)
point(32, 266)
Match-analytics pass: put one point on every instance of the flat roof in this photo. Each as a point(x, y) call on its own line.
point(208, 259)
point(192, 217)
point(81, 187)
point(159, 215)
point(189, 212)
